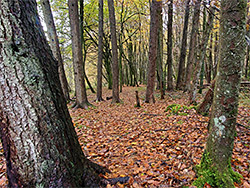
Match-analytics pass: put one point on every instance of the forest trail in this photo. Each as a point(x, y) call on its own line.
point(150, 146)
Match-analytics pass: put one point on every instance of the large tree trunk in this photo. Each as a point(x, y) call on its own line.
point(193, 43)
point(38, 137)
point(170, 47)
point(115, 86)
point(80, 89)
point(100, 53)
point(215, 167)
point(54, 42)
point(154, 26)
point(181, 73)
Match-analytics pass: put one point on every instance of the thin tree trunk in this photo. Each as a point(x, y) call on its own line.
point(215, 168)
point(80, 89)
point(54, 42)
point(38, 137)
point(181, 73)
point(247, 62)
point(193, 43)
point(100, 53)
point(201, 57)
point(170, 46)
point(154, 26)
point(115, 86)
point(83, 44)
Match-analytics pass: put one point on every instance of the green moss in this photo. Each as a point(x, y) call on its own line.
point(177, 109)
point(208, 173)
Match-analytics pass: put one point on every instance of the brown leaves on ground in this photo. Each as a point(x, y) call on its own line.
point(150, 146)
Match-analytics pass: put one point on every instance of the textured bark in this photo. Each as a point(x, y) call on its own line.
point(215, 167)
point(154, 26)
point(181, 73)
point(80, 89)
point(38, 137)
point(170, 46)
point(204, 106)
point(115, 67)
point(193, 43)
point(100, 53)
point(54, 43)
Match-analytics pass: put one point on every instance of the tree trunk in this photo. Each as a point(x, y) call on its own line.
point(193, 43)
point(83, 44)
point(154, 26)
point(204, 106)
point(80, 89)
point(247, 62)
point(54, 42)
point(216, 51)
point(38, 137)
point(201, 57)
point(100, 53)
point(160, 56)
point(170, 46)
point(215, 167)
point(115, 86)
point(181, 73)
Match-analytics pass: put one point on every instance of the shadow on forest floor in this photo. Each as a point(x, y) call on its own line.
point(152, 147)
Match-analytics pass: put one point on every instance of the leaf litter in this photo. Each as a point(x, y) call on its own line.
point(149, 146)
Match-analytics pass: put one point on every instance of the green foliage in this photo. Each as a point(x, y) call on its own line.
point(208, 173)
point(177, 109)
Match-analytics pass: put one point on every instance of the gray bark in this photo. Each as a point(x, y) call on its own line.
point(54, 43)
point(80, 89)
point(181, 73)
point(115, 66)
point(100, 53)
point(193, 43)
point(38, 137)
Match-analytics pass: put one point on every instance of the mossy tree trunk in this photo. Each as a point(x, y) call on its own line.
point(38, 137)
point(215, 167)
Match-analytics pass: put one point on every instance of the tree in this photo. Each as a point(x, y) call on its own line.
point(215, 167)
point(115, 86)
point(193, 43)
point(170, 46)
point(83, 44)
point(181, 69)
point(153, 40)
point(38, 137)
point(80, 89)
point(54, 42)
point(100, 53)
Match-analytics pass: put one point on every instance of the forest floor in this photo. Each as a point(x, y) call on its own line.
point(152, 146)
